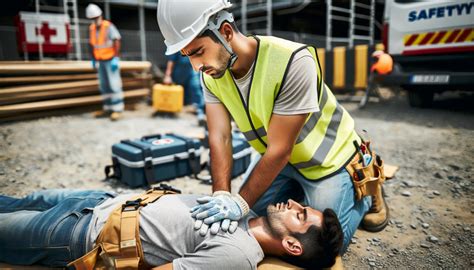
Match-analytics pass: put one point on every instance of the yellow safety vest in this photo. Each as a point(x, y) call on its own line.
point(103, 47)
point(324, 145)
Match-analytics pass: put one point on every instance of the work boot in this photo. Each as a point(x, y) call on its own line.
point(377, 218)
point(101, 114)
point(115, 116)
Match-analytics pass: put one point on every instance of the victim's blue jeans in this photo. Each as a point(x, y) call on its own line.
point(335, 192)
point(47, 227)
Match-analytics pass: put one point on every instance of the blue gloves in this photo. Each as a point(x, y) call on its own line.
point(114, 63)
point(93, 62)
point(222, 210)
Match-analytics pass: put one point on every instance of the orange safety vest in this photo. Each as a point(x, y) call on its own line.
point(384, 64)
point(103, 48)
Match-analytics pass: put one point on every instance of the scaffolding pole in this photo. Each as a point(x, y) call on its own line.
point(244, 16)
point(372, 18)
point(141, 17)
point(328, 24)
point(269, 18)
point(39, 36)
point(352, 24)
point(71, 5)
point(107, 9)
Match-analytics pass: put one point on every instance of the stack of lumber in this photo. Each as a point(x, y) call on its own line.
point(36, 89)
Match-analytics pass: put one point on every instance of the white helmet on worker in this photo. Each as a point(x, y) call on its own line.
point(93, 11)
point(182, 21)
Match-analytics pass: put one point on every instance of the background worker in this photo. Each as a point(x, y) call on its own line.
point(273, 89)
point(382, 63)
point(55, 227)
point(180, 71)
point(104, 41)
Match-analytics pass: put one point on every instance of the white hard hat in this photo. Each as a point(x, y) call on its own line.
point(93, 11)
point(181, 21)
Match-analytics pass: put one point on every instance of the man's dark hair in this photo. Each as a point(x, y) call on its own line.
point(321, 245)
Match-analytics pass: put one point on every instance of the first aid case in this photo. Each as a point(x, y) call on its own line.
point(154, 158)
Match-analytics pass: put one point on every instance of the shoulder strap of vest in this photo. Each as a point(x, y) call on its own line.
point(118, 244)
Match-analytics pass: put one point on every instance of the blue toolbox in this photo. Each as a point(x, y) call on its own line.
point(153, 159)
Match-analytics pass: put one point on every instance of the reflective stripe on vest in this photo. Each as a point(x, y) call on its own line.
point(324, 145)
point(103, 47)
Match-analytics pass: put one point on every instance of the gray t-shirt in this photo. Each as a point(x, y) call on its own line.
point(299, 93)
point(167, 235)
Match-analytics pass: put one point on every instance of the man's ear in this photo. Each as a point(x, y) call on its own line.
point(292, 246)
point(227, 31)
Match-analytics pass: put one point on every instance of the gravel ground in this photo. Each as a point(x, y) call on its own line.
point(430, 199)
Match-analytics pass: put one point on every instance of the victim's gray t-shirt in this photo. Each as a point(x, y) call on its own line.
point(299, 93)
point(167, 235)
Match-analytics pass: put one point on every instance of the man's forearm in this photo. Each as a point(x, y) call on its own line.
point(169, 68)
point(263, 175)
point(221, 162)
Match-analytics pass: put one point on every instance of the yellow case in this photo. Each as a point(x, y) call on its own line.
point(167, 98)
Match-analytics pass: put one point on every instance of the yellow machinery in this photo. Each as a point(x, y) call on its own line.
point(167, 98)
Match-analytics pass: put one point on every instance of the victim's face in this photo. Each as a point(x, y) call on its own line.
point(291, 217)
point(207, 56)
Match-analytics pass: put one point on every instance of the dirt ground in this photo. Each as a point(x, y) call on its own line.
point(431, 198)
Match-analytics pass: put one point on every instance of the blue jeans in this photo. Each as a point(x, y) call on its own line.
point(110, 84)
point(47, 227)
point(336, 192)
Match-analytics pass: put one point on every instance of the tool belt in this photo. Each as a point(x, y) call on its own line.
point(366, 177)
point(118, 245)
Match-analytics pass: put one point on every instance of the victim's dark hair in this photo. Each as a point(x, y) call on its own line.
point(321, 245)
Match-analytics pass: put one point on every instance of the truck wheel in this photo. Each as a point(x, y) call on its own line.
point(420, 99)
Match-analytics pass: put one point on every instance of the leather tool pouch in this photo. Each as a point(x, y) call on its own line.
point(367, 178)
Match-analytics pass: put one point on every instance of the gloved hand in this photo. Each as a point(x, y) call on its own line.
point(226, 225)
point(222, 205)
point(114, 63)
point(93, 62)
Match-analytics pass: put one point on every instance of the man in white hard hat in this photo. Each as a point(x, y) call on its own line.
point(104, 41)
point(274, 91)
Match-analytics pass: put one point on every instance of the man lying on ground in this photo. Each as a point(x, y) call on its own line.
point(55, 227)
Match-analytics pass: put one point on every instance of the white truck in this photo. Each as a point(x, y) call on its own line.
point(432, 44)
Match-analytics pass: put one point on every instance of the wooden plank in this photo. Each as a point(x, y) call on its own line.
point(64, 103)
point(46, 87)
point(129, 105)
point(61, 93)
point(8, 91)
point(46, 78)
point(61, 67)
